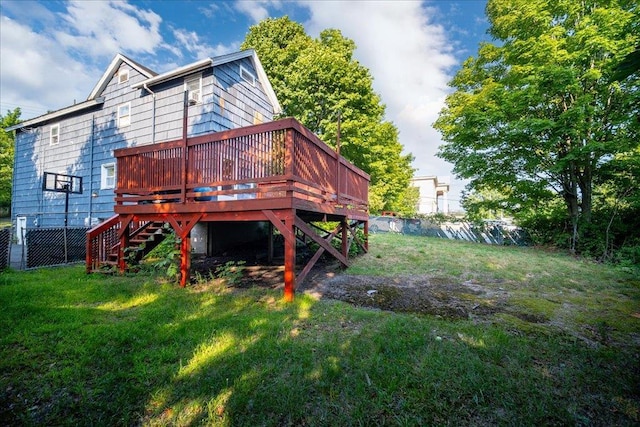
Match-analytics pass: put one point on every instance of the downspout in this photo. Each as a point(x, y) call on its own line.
point(185, 147)
point(91, 168)
point(12, 214)
point(153, 113)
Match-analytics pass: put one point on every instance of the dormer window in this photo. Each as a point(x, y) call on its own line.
point(247, 76)
point(54, 135)
point(123, 75)
point(193, 87)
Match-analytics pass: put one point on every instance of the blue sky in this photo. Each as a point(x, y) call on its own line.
point(54, 52)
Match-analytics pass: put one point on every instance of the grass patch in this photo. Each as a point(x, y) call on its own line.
point(110, 350)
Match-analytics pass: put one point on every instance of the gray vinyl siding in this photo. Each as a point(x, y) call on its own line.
point(89, 138)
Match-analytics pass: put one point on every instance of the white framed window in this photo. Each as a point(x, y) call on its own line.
point(108, 176)
point(193, 86)
point(123, 75)
point(247, 76)
point(124, 115)
point(54, 135)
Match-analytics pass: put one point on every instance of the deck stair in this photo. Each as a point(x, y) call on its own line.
point(104, 244)
point(143, 241)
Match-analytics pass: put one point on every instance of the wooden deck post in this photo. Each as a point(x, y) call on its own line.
point(270, 245)
point(185, 260)
point(286, 226)
point(182, 228)
point(366, 236)
point(345, 238)
point(290, 261)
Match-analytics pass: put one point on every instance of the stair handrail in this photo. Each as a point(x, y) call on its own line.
point(93, 237)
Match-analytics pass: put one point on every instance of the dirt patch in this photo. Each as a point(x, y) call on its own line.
point(412, 294)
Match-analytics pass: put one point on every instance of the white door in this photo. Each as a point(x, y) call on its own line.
point(21, 227)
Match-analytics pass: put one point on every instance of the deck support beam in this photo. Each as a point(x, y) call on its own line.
point(328, 238)
point(287, 230)
point(183, 227)
point(289, 261)
point(304, 227)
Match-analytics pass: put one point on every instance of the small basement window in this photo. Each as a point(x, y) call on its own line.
point(108, 176)
point(54, 135)
point(124, 115)
point(194, 88)
point(247, 76)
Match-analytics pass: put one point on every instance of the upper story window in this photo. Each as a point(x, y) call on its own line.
point(54, 135)
point(124, 115)
point(194, 88)
point(247, 76)
point(108, 176)
point(123, 75)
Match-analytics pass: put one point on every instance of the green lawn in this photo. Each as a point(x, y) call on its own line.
point(105, 350)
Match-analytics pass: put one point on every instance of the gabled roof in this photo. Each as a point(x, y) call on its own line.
point(113, 68)
point(94, 98)
point(154, 78)
point(58, 113)
point(214, 62)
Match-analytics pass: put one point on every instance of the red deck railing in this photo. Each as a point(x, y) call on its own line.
point(272, 160)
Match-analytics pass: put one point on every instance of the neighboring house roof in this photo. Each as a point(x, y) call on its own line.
point(438, 181)
point(214, 62)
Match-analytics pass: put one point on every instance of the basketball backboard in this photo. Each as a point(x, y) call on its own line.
point(62, 183)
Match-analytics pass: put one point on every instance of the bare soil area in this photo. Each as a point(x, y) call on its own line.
point(420, 294)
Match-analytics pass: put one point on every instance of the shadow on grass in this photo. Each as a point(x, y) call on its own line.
point(93, 350)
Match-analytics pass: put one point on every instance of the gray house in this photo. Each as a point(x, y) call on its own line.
point(130, 106)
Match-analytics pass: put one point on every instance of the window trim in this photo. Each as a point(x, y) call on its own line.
point(56, 136)
point(247, 76)
point(121, 116)
point(104, 176)
point(192, 79)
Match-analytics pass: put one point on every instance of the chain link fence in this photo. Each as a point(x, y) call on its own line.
point(495, 233)
point(5, 247)
point(55, 246)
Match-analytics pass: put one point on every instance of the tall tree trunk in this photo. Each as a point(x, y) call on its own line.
point(586, 191)
point(571, 198)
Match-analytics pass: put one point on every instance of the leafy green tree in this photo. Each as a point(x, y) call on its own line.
point(536, 114)
point(485, 203)
point(318, 82)
point(6, 155)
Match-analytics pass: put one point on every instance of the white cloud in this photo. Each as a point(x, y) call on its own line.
point(257, 10)
point(101, 28)
point(36, 74)
point(190, 41)
point(50, 59)
point(410, 59)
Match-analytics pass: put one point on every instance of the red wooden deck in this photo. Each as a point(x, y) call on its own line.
point(278, 172)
